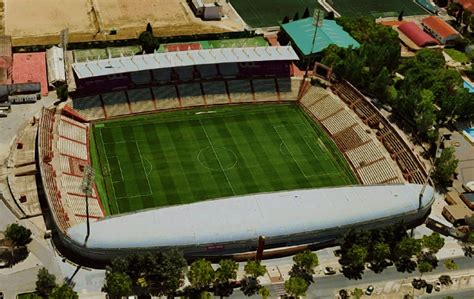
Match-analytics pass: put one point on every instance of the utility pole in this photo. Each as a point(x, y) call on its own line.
point(318, 17)
point(86, 188)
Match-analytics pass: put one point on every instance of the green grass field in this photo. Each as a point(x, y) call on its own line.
point(187, 156)
point(376, 8)
point(267, 13)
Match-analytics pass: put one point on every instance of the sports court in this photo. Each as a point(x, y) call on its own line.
point(376, 8)
point(187, 156)
point(267, 13)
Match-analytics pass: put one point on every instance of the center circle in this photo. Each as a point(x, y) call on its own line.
point(218, 158)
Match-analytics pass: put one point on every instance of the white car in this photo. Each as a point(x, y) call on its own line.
point(437, 286)
point(369, 290)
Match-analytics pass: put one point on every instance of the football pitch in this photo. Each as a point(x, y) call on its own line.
point(187, 156)
point(376, 8)
point(267, 13)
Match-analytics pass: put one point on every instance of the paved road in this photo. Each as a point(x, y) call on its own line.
point(457, 294)
point(328, 286)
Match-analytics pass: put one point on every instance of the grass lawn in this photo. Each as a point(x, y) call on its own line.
point(457, 55)
point(186, 156)
point(376, 8)
point(267, 13)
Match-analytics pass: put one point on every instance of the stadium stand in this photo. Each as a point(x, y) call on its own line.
point(240, 91)
point(360, 150)
point(116, 103)
point(185, 73)
point(141, 100)
point(228, 70)
point(191, 95)
point(166, 97)
point(265, 90)
point(63, 157)
point(90, 106)
point(215, 92)
point(412, 169)
point(140, 78)
point(288, 88)
point(161, 75)
point(207, 71)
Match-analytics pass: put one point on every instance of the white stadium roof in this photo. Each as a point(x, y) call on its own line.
point(250, 216)
point(137, 63)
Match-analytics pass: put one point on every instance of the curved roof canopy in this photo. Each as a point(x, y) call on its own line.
point(250, 216)
point(417, 35)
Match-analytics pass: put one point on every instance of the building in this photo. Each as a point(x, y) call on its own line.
point(468, 199)
point(301, 34)
point(55, 63)
point(467, 5)
point(31, 68)
point(417, 35)
point(438, 28)
point(429, 5)
point(206, 10)
point(6, 60)
point(457, 210)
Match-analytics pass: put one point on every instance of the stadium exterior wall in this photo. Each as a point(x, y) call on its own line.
point(316, 222)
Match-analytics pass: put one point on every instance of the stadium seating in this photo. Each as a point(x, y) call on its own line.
point(166, 97)
point(400, 151)
point(215, 92)
point(141, 78)
point(240, 91)
point(359, 148)
point(64, 164)
point(115, 103)
point(78, 206)
point(185, 73)
point(191, 95)
point(73, 130)
point(161, 75)
point(228, 70)
point(288, 88)
point(72, 149)
point(207, 71)
point(141, 100)
point(90, 107)
point(265, 90)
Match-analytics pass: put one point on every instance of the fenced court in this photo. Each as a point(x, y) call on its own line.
point(376, 8)
point(188, 156)
point(267, 13)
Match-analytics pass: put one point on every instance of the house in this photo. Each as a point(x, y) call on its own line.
point(467, 5)
point(438, 28)
point(55, 64)
point(206, 10)
point(417, 35)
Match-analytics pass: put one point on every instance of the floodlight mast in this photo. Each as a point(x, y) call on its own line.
point(318, 17)
point(86, 188)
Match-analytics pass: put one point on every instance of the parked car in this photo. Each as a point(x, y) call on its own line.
point(329, 271)
point(429, 288)
point(437, 286)
point(369, 290)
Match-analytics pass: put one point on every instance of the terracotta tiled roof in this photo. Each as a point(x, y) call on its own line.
point(391, 23)
point(416, 34)
point(467, 4)
point(439, 26)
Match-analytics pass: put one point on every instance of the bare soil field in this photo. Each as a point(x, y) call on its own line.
point(35, 22)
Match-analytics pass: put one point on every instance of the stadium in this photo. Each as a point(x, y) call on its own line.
point(208, 149)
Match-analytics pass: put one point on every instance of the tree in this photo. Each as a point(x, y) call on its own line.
point(201, 274)
point(433, 243)
point(445, 167)
point(296, 17)
point(296, 286)
point(226, 272)
point(425, 117)
point(285, 20)
point(357, 293)
point(404, 252)
point(18, 234)
point(379, 87)
point(424, 267)
point(306, 13)
point(255, 269)
point(117, 285)
point(45, 283)
point(250, 286)
point(445, 280)
point(264, 292)
point(148, 42)
point(149, 28)
point(450, 265)
point(169, 274)
point(400, 16)
point(357, 255)
point(62, 92)
point(306, 260)
point(63, 292)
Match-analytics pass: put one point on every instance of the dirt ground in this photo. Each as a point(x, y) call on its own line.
point(32, 24)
